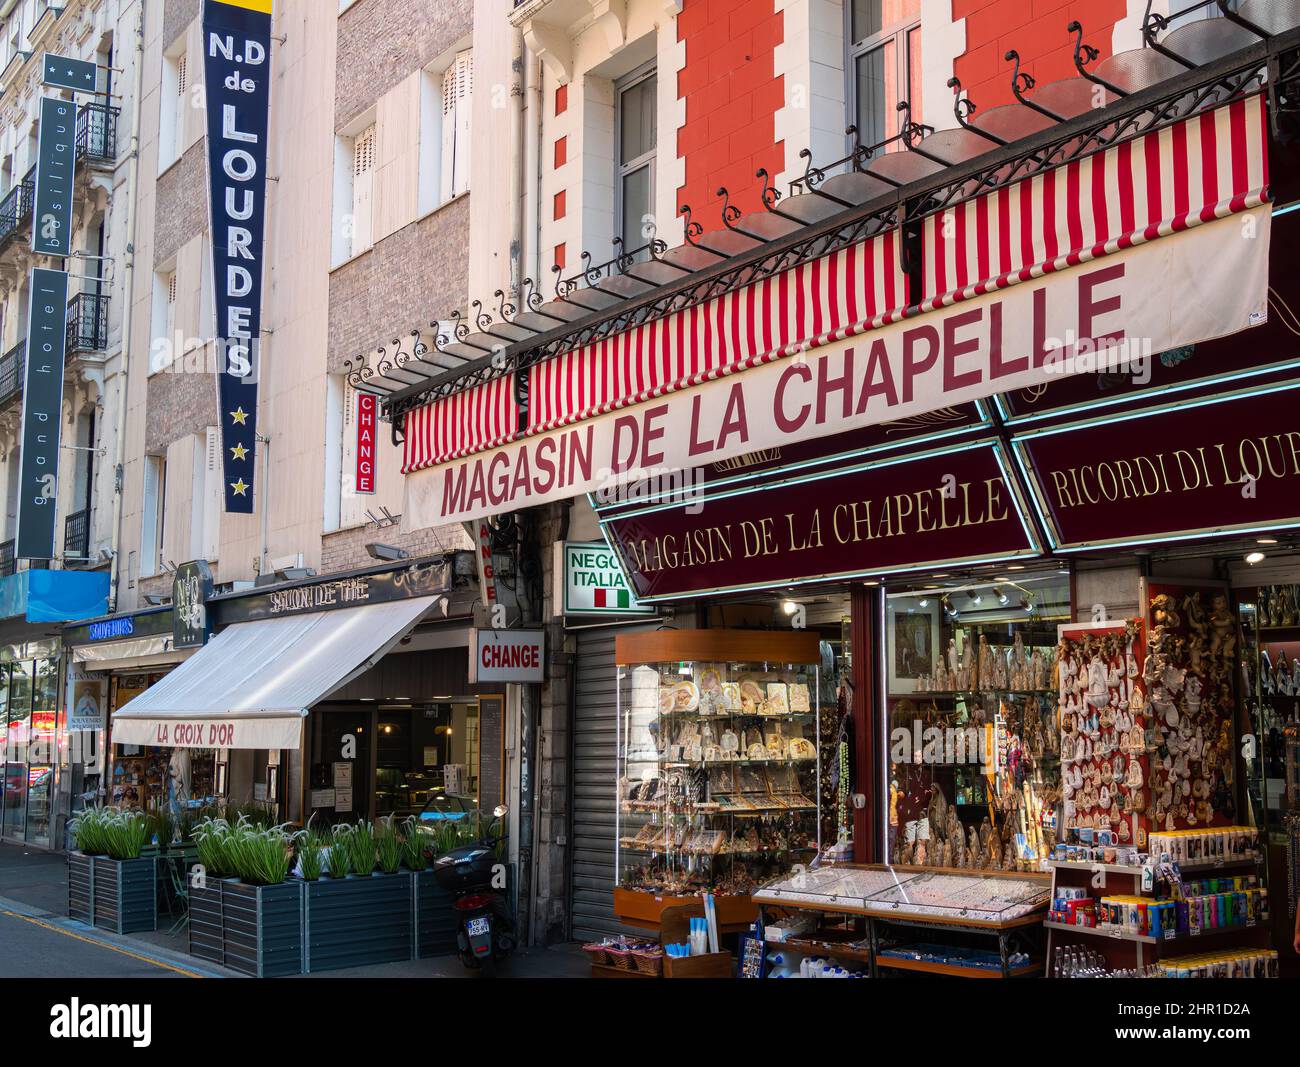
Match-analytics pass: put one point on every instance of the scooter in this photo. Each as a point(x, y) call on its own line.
point(475, 877)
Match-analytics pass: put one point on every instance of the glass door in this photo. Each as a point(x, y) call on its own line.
point(17, 736)
point(40, 749)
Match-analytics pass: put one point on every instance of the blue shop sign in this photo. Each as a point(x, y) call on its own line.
point(111, 629)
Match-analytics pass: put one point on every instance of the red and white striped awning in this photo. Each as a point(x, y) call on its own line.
point(1207, 166)
point(472, 421)
point(811, 304)
point(1202, 168)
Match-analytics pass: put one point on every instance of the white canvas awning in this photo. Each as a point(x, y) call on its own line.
point(251, 685)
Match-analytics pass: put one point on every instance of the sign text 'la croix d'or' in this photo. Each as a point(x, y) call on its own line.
point(1149, 298)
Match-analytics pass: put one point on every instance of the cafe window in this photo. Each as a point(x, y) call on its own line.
point(883, 64)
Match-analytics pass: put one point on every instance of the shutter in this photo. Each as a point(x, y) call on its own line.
point(213, 499)
point(363, 177)
point(595, 763)
point(464, 96)
point(182, 75)
point(446, 179)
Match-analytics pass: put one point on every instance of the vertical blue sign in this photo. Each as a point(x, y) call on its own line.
point(237, 82)
point(38, 474)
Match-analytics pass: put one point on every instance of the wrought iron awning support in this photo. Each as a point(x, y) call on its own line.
point(1130, 115)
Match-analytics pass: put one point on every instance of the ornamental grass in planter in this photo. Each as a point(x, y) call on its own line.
point(245, 902)
point(359, 915)
point(109, 884)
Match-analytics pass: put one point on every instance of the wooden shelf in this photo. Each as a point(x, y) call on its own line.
point(776, 647)
point(896, 963)
point(1112, 933)
point(813, 945)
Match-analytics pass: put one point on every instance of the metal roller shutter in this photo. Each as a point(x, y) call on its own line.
point(594, 765)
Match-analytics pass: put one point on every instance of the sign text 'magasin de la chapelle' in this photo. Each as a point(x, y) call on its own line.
point(897, 367)
point(929, 510)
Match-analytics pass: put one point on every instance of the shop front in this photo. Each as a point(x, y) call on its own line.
point(958, 545)
point(39, 771)
point(331, 700)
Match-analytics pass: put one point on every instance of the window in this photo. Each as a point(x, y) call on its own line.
point(172, 105)
point(635, 132)
point(164, 347)
point(193, 498)
point(446, 102)
point(884, 65)
point(354, 186)
point(151, 520)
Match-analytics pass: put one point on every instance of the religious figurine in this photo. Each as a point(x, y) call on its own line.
point(1223, 628)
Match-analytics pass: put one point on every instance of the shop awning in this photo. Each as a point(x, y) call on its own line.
point(251, 685)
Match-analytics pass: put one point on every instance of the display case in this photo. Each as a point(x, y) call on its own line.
point(973, 745)
point(718, 771)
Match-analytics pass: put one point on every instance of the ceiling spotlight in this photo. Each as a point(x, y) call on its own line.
point(1266, 540)
point(977, 599)
point(1003, 599)
point(789, 607)
point(1254, 557)
point(924, 602)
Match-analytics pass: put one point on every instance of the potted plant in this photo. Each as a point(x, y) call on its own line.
point(109, 883)
point(434, 916)
point(358, 915)
point(258, 911)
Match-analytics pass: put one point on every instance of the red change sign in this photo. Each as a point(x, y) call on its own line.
point(943, 508)
point(367, 421)
point(1210, 468)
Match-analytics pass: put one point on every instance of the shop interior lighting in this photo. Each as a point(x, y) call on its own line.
point(1266, 540)
point(1003, 599)
point(789, 607)
point(1255, 557)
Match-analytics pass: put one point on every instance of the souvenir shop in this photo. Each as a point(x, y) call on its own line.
point(326, 698)
point(1027, 454)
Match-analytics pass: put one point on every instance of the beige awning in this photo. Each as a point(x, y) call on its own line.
point(251, 685)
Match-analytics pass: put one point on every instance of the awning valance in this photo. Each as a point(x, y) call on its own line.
point(252, 684)
point(479, 418)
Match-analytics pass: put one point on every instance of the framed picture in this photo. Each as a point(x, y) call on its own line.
point(911, 642)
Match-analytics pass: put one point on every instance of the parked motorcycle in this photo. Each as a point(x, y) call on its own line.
point(475, 877)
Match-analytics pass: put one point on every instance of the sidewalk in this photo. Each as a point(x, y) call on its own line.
point(33, 883)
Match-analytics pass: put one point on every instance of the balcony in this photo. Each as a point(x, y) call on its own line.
point(97, 134)
point(8, 562)
point(88, 322)
point(13, 364)
point(76, 536)
point(16, 206)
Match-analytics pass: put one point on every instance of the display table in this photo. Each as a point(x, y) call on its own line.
point(642, 909)
point(872, 911)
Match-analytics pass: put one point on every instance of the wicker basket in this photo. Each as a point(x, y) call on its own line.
point(648, 961)
point(620, 958)
point(599, 954)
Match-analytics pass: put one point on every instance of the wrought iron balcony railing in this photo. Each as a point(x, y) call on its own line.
point(76, 535)
point(16, 206)
point(8, 562)
point(88, 322)
point(12, 367)
point(97, 133)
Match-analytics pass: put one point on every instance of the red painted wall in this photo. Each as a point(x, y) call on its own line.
point(1035, 29)
point(732, 95)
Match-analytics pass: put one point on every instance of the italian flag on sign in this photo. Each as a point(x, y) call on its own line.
point(612, 598)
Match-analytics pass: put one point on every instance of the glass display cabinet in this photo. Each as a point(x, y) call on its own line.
point(718, 771)
point(973, 744)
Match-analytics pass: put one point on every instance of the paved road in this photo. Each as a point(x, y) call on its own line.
point(38, 948)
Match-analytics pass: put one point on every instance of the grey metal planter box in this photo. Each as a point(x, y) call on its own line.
point(262, 928)
point(81, 887)
point(206, 938)
point(355, 921)
point(436, 920)
point(124, 894)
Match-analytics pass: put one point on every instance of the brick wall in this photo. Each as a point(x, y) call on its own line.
point(181, 205)
point(380, 42)
point(179, 403)
point(732, 94)
point(1035, 29)
point(416, 275)
point(346, 549)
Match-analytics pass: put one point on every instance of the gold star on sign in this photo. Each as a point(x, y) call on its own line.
point(239, 452)
point(240, 416)
point(240, 487)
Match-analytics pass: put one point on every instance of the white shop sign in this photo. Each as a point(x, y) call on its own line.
point(507, 656)
point(593, 581)
point(1207, 282)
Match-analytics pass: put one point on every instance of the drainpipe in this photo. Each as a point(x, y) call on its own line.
point(128, 318)
point(532, 168)
point(518, 58)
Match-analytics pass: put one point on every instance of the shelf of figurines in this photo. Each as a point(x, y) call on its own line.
point(971, 694)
